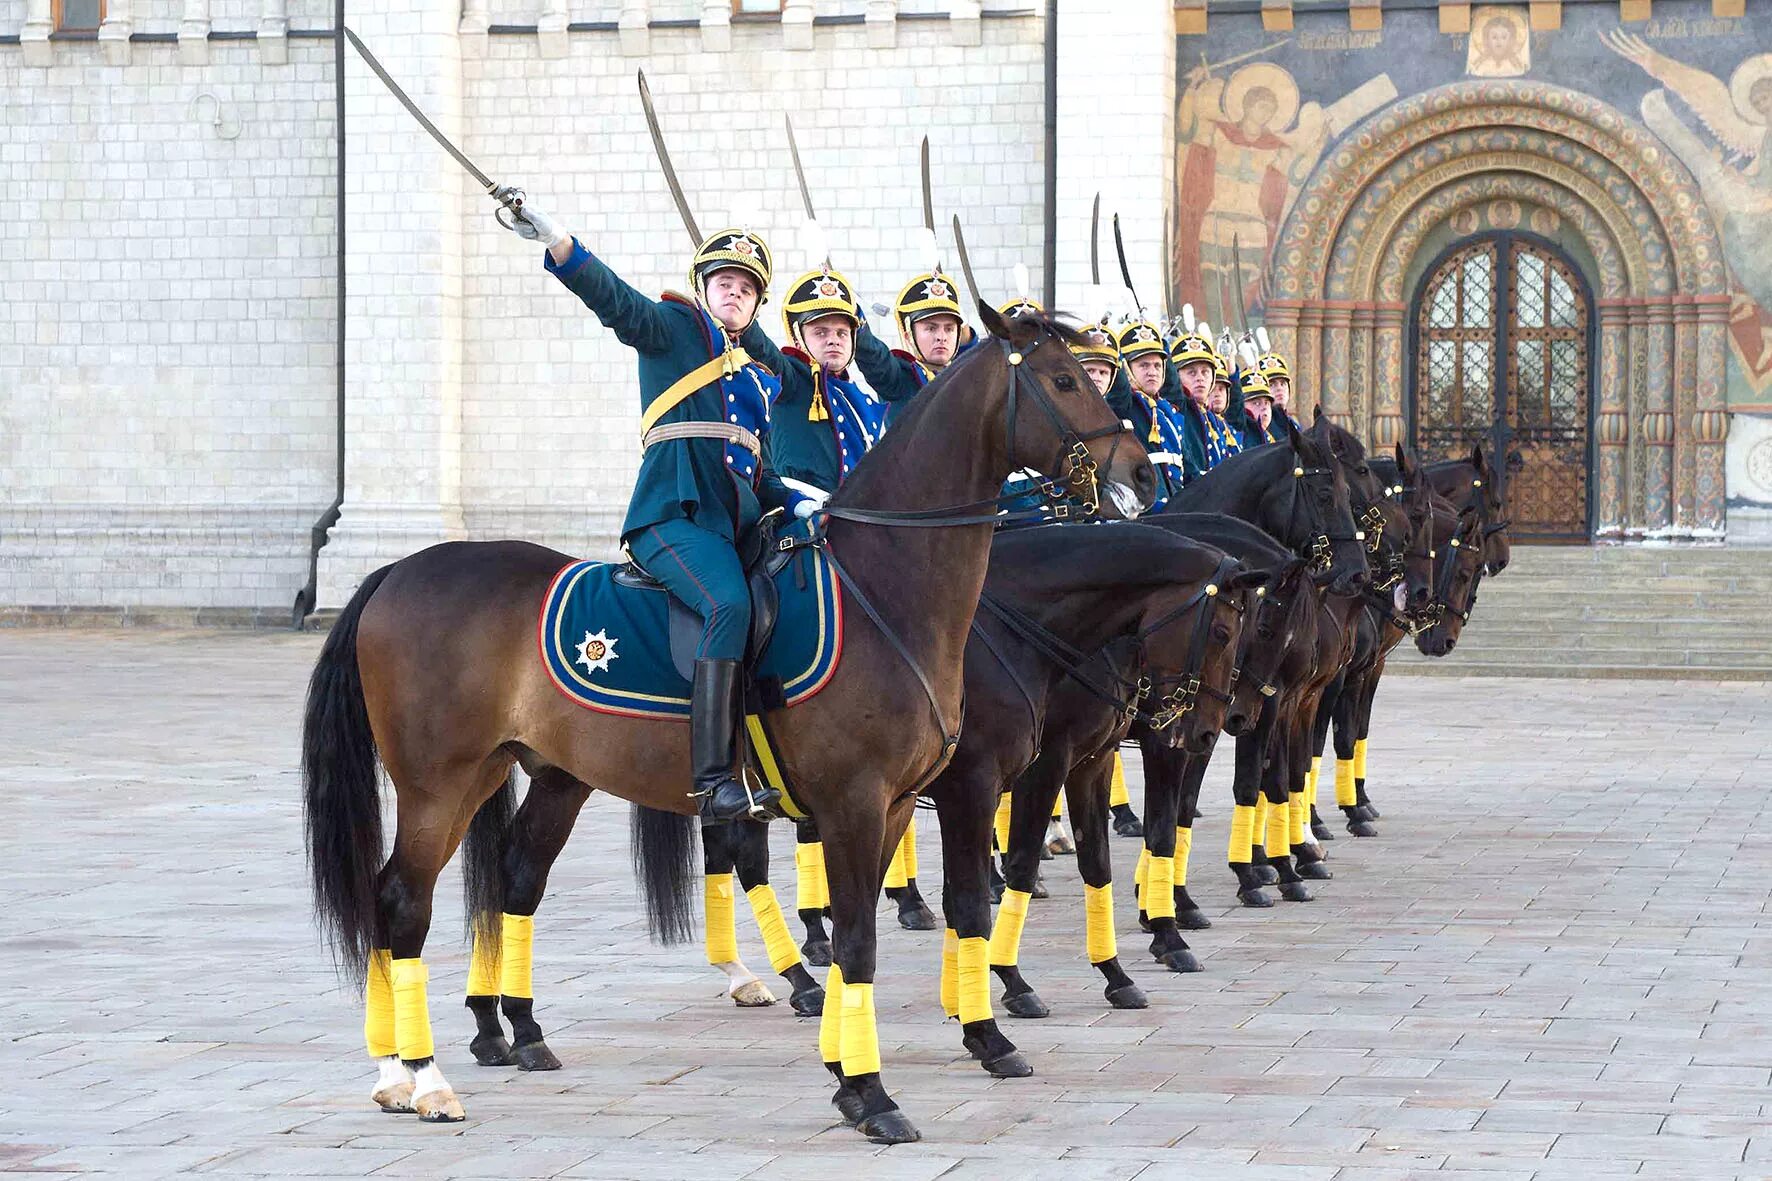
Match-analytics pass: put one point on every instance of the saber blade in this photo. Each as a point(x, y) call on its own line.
point(928, 193)
point(966, 262)
point(1237, 274)
point(1125, 270)
point(1095, 242)
point(412, 107)
point(799, 172)
point(664, 161)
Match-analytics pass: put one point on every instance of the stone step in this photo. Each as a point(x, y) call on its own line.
point(1750, 628)
point(1674, 657)
point(1485, 668)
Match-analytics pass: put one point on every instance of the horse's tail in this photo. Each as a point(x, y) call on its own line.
point(664, 859)
point(482, 862)
point(340, 793)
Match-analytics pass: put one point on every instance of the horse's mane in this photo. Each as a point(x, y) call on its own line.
point(1111, 553)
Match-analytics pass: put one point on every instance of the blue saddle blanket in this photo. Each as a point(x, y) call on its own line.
point(607, 646)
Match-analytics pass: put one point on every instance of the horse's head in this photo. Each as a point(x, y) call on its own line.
point(1314, 504)
point(1383, 524)
point(1267, 630)
point(1187, 649)
point(1489, 493)
point(1458, 571)
point(1418, 557)
point(1057, 423)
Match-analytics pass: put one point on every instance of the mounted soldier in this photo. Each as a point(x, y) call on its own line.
point(1137, 397)
point(702, 485)
point(1252, 411)
point(1274, 370)
point(930, 324)
point(1196, 364)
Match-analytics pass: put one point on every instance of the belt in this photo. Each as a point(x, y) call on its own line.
point(731, 432)
point(1168, 457)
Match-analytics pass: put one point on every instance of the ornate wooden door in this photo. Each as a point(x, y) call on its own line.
point(1502, 357)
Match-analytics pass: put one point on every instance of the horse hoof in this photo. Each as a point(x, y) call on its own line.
point(491, 1051)
point(1266, 875)
point(1181, 960)
point(536, 1056)
point(1046, 852)
point(1010, 1065)
point(817, 953)
point(1368, 812)
point(808, 1002)
point(997, 893)
point(439, 1107)
point(1192, 920)
point(1254, 897)
point(1039, 890)
point(1128, 996)
point(848, 1104)
point(889, 1127)
point(395, 1100)
point(917, 918)
point(1131, 826)
point(1026, 1004)
point(752, 994)
point(1061, 846)
point(1362, 828)
point(1295, 892)
point(1316, 871)
point(1321, 831)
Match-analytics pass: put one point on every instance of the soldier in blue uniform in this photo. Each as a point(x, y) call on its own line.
point(1195, 363)
point(929, 322)
point(1218, 408)
point(1273, 369)
point(1099, 356)
point(1251, 411)
point(702, 483)
point(1136, 397)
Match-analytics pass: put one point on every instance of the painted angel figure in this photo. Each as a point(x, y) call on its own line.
point(1246, 145)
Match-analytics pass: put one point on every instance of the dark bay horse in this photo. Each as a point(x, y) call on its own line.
point(432, 668)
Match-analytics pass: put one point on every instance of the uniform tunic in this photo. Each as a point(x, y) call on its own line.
point(1160, 429)
point(895, 375)
point(819, 452)
point(693, 497)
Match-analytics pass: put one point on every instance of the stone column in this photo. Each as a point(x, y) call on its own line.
point(1389, 426)
point(635, 27)
point(1281, 318)
point(1710, 421)
point(1307, 370)
point(1337, 328)
point(1611, 420)
point(475, 28)
point(403, 218)
point(550, 30)
point(114, 31)
point(34, 37)
point(273, 32)
point(1661, 364)
point(1637, 383)
point(966, 23)
point(193, 33)
point(1683, 468)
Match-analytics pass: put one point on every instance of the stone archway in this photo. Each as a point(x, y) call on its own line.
point(1395, 181)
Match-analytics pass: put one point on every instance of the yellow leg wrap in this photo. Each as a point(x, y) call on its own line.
point(1058, 807)
point(721, 936)
point(1003, 805)
point(1242, 834)
point(412, 1011)
point(909, 846)
point(975, 981)
point(1359, 758)
point(895, 874)
point(516, 965)
point(811, 890)
point(1344, 783)
point(1159, 888)
point(784, 953)
point(378, 1005)
point(1279, 830)
point(1139, 875)
point(1258, 833)
point(1299, 815)
point(1012, 915)
point(483, 967)
point(830, 1025)
point(1310, 787)
point(1316, 774)
point(950, 973)
point(1184, 848)
point(1117, 793)
point(861, 1037)
point(1098, 923)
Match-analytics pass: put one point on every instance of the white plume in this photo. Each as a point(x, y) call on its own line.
point(1021, 280)
point(1204, 329)
point(1187, 316)
point(1247, 353)
point(928, 249)
point(813, 242)
point(1261, 338)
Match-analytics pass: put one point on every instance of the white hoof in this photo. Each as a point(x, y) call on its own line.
point(393, 1086)
point(753, 994)
point(435, 1101)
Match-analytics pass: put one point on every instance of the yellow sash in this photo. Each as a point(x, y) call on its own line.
point(712, 370)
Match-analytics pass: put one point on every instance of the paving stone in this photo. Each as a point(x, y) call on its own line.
point(1553, 962)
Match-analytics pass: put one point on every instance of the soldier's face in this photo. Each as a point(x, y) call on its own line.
point(1282, 387)
point(1101, 373)
point(1147, 374)
point(831, 341)
point(732, 297)
point(1196, 379)
point(936, 338)
point(1219, 397)
point(1261, 410)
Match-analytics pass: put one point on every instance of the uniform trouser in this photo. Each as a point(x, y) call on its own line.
point(703, 570)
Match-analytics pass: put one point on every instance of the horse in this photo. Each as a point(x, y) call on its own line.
point(431, 667)
point(1121, 623)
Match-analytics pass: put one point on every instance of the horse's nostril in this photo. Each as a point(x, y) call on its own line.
point(1144, 478)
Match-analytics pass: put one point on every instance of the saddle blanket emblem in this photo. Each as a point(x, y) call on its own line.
point(607, 647)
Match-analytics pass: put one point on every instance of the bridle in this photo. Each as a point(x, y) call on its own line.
point(1174, 696)
point(1442, 600)
point(1322, 543)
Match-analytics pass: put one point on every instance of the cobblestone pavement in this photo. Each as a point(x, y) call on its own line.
point(1553, 963)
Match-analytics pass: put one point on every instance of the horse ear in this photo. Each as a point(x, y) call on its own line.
point(1477, 456)
point(1244, 580)
point(992, 320)
point(1403, 468)
point(1294, 434)
point(1515, 462)
point(1318, 411)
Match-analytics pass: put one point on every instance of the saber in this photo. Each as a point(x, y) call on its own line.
point(1126, 271)
point(1169, 292)
point(513, 201)
point(928, 194)
point(1237, 274)
point(806, 193)
point(1095, 242)
point(664, 161)
point(966, 263)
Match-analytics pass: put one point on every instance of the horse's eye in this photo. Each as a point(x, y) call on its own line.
point(1065, 382)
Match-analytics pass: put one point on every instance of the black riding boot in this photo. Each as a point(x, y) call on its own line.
point(713, 720)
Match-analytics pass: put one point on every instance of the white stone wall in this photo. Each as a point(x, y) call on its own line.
point(167, 322)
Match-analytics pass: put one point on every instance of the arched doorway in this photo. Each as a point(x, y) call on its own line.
point(1502, 349)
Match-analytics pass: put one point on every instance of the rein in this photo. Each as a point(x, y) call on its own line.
point(1321, 551)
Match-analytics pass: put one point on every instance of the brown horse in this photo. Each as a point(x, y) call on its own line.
point(433, 667)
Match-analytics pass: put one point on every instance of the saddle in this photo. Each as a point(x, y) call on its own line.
point(762, 559)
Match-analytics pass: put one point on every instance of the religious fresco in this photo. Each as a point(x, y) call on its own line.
point(1259, 113)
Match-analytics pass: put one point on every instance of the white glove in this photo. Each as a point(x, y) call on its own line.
point(530, 222)
point(806, 508)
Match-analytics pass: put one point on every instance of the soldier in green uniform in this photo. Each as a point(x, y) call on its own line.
point(702, 483)
point(929, 322)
